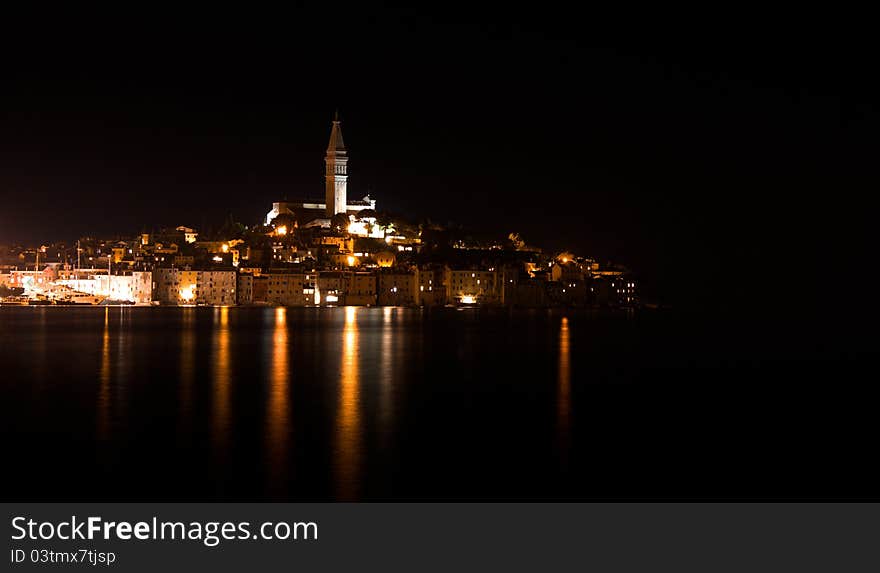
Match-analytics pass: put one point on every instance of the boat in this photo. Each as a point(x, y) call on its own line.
point(19, 300)
point(115, 302)
point(85, 298)
point(80, 298)
point(64, 295)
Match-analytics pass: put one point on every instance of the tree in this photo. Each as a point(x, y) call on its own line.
point(516, 241)
point(384, 221)
point(285, 220)
point(10, 291)
point(339, 222)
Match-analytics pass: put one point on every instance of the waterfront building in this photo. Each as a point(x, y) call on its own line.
point(529, 293)
point(432, 286)
point(245, 290)
point(30, 279)
point(398, 288)
point(568, 284)
point(618, 290)
point(253, 289)
point(175, 286)
point(360, 289)
point(186, 286)
point(473, 286)
point(288, 289)
point(129, 286)
point(331, 287)
point(216, 287)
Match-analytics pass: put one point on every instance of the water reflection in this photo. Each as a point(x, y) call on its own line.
point(563, 412)
point(41, 370)
point(104, 378)
point(348, 433)
point(386, 369)
point(378, 393)
point(221, 382)
point(278, 421)
point(122, 362)
point(187, 368)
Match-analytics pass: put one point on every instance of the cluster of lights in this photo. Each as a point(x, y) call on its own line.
point(187, 294)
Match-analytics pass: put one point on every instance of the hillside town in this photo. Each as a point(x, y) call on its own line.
point(311, 253)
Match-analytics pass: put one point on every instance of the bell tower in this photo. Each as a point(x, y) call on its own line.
point(336, 171)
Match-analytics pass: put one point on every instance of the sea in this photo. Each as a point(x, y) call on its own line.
point(392, 404)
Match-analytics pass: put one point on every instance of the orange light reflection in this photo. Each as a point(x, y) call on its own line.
point(348, 438)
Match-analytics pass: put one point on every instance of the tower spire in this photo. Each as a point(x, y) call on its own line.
point(336, 171)
point(336, 144)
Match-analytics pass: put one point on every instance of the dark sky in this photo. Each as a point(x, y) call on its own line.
point(690, 146)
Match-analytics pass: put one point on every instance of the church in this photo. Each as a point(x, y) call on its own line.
point(311, 214)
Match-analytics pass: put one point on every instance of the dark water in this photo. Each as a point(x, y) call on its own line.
point(389, 403)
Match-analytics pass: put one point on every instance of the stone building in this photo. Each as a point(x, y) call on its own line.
point(398, 288)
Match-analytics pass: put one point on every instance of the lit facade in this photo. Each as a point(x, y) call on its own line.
point(336, 172)
point(360, 289)
point(473, 287)
point(184, 286)
point(289, 289)
point(398, 288)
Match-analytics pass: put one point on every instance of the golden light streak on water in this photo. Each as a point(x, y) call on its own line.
point(563, 412)
point(386, 369)
point(348, 431)
point(104, 377)
point(278, 417)
point(187, 369)
point(220, 422)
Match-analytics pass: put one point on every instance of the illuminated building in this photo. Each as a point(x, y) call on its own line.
point(472, 286)
point(246, 289)
point(253, 288)
point(336, 172)
point(360, 289)
point(135, 287)
point(175, 286)
point(185, 286)
point(432, 289)
point(566, 272)
point(189, 235)
point(335, 192)
point(366, 227)
point(344, 244)
point(620, 290)
point(567, 285)
point(289, 289)
point(217, 287)
point(398, 288)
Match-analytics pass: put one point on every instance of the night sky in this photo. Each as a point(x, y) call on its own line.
point(693, 147)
